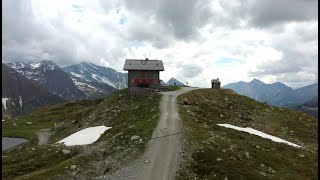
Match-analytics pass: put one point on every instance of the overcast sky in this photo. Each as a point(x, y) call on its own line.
point(272, 40)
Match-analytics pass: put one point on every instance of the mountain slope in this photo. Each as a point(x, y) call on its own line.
point(93, 90)
point(276, 94)
point(20, 95)
point(49, 75)
point(88, 72)
point(173, 81)
point(309, 107)
point(306, 93)
point(132, 118)
point(215, 152)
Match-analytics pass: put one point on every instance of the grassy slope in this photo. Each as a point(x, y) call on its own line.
point(206, 141)
point(127, 115)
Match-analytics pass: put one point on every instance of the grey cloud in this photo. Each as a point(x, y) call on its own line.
point(180, 19)
point(162, 23)
point(18, 23)
point(269, 12)
point(25, 38)
point(292, 63)
point(293, 69)
point(190, 71)
point(265, 13)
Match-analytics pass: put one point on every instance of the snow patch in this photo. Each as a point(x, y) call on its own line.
point(4, 102)
point(37, 65)
point(259, 133)
point(103, 80)
point(83, 86)
point(20, 101)
point(85, 136)
point(76, 75)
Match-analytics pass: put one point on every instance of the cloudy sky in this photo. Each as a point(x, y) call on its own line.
point(272, 40)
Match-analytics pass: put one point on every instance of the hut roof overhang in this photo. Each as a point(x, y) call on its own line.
point(143, 64)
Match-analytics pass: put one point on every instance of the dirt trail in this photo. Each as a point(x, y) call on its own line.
point(160, 161)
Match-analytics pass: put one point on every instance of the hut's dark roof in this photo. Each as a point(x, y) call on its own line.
point(142, 64)
point(215, 81)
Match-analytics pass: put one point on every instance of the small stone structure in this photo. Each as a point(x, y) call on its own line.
point(215, 83)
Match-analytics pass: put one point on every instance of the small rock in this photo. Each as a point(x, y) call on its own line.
point(226, 99)
point(185, 101)
point(33, 149)
point(74, 121)
point(257, 146)
point(232, 147)
point(302, 156)
point(221, 116)
point(226, 178)
point(146, 161)
point(224, 150)
point(291, 131)
point(263, 173)
point(65, 151)
point(134, 137)
point(263, 165)
point(14, 124)
point(271, 170)
point(140, 140)
point(247, 155)
point(73, 166)
point(219, 159)
point(29, 123)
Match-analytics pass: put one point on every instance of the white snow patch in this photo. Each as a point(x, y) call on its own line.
point(76, 75)
point(259, 133)
point(33, 66)
point(103, 80)
point(84, 86)
point(4, 102)
point(20, 101)
point(85, 136)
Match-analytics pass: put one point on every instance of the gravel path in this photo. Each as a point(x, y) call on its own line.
point(161, 159)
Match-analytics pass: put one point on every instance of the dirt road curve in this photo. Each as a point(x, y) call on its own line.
point(160, 160)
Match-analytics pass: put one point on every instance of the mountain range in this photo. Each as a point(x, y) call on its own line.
point(276, 94)
point(89, 72)
point(174, 81)
point(96, 81)
point(48, 75)
point(79, 81)
point(21, 95)
point(90, 81)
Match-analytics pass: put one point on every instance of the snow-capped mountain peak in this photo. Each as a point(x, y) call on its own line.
point(18, 65)
point(89, 72)
point(45, 64)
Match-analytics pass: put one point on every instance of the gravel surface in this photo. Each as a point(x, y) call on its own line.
point(162, 156)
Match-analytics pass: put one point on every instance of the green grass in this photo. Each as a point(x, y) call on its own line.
point(127, 115)
point(169, 88)
point(206, 141)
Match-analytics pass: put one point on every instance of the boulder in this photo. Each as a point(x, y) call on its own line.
point(134, 137)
